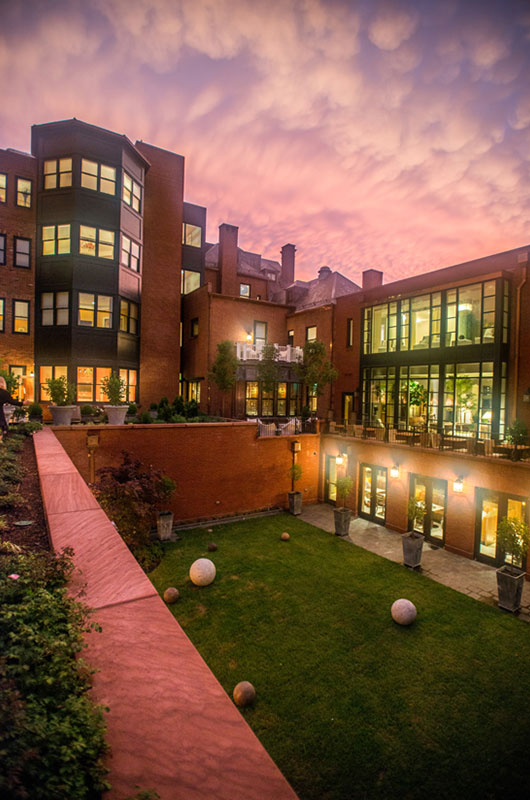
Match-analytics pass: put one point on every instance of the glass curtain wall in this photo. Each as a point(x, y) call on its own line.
point(468, 399)
point(379, 385)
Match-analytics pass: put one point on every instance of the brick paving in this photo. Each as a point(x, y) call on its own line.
point(469, 577)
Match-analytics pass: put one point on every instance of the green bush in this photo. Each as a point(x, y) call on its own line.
point(51, 735)
point(145, 418)
point(87, 410)
point(35, 410)
point(132, 410)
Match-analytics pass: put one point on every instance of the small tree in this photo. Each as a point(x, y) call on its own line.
point(268, 367)
point(113, 386)
point(11, 381)
point(416, 512)
point(224, 369)
point(62, 393)
point(513, 537)
point(517, 432)
point(315, 369)
point(295, 473)
point(344, 485)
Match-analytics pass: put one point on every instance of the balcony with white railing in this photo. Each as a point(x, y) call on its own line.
point(246, 351)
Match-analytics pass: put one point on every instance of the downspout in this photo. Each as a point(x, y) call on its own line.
point(517, 337)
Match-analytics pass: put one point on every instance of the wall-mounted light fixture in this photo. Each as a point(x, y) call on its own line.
point(296, 446)
point(339, 460)
point(249, 337)
point(526, 396)
point(394, 471)
point(458, 485)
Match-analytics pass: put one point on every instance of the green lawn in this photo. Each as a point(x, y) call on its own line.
point(349, 704)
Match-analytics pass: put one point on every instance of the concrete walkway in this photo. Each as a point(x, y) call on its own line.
point(466, 576)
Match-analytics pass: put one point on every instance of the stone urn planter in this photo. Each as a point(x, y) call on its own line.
point(510, 582)
point(164, 525)
point(342, 521)
point(115, 414)
point(295, 503)
point(412, 548)
point(61, 393)
point(62, 415)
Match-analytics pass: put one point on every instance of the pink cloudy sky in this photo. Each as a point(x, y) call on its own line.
point(393, 135)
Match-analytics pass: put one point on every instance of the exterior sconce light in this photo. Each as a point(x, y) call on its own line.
point(339, 460)
point(296, 447)
point(458, 485)
point(394, 471)
point(249, 338)
point(526, 396)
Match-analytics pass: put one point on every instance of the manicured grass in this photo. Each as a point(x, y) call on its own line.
point(349, 704)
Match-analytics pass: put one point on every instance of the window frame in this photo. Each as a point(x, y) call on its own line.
point(14, 317)
point(188, 233)
point(97, 242)
point(3, 250)
point(19, 192)
point(128, 317)
point(310, 328)
point(96, 311)
point(54, 308)
point(17, 239)
point(2, 314)
point(349, 332)
point(57, 173)
point(194, 328)
point(43, 392)
point(132, 195)
point(3, 189)
point(245, 295)
point(128, 262)
point(56, 240)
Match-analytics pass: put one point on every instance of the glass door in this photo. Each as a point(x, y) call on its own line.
point(330, 480)
point(432, 494)
point(372, 489)
point(491, 508)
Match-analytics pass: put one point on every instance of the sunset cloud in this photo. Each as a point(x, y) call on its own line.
point(370, 134)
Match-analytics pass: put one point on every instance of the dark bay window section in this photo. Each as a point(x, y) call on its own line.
point(57, 173)
point(454, 318)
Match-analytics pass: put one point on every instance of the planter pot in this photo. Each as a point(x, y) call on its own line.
point(295, 503)
point(412, 547)
point(62, 415)
point(164, 525)
point(116, 414)
point(510, 584)
point(342, 521)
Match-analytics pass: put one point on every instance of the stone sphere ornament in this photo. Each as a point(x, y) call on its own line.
point(202, 572)
point(171, 595)
point(212, 547)
point(285, 537)
point(244, 694)
point(403, 612)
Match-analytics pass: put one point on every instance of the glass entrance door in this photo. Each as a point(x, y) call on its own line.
point(330, 480)
point(491, 508)
point(372, 500)
point(432, 494)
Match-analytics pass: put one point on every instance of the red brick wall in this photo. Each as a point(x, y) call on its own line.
point(477, 472)
point(220, 469)
point(18, 282)
point(160, 309)
point(323, 319)
point(346, 359)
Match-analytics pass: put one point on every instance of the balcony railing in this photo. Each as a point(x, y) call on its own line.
point(246, 351)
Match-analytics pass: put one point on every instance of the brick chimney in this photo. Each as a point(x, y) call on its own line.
point(287, 276)
point(371, 278)
point(228, 259)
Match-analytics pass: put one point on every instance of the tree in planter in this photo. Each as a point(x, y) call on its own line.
point(116, 409)
point(516, 434)
point(513, 538)
point(131, 495)
point(295, 498)
point(342, 515)
point(11, 381)
point(412, 541)
point(62, 396)
point(224, 369)
point(315, 369)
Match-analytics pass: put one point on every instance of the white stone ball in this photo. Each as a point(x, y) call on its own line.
point(403, 612)
point(202, 572)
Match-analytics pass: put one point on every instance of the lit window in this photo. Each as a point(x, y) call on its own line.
point(54, 308)
point(55, 240)
point(260, 332)
point(24, 187)
point(128, 317)
point(194, 391)
point(85, 383)
point(94, 310)
point(3, 187)
point(311, 333)
point(20, 316)
point(251, 398)
point(290, 338)
point(130, 380)
point(349, 333)
point(98, 177)
point(194, 327)
point(46, 373)
point(57, 173)
point(191, 234)
point(130, 253)
point(131, 192)
point(2, 314)
point(244, 290)
point(96, 240)
point(101, 373)
point(190, 281)
point(2, 248)
point(22, 252)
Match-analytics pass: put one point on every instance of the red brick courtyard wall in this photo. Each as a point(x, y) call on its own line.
point(220, 469)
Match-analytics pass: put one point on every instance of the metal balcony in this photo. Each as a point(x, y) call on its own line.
point(247, 351)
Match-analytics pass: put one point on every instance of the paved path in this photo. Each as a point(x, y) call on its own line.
point(466, 576)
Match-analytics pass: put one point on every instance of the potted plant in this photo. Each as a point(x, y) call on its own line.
point(62, 394)
point(88, 412)
point(516, 434)
point(295, 498)
point(35, 412)
point(116, 409)
point(412, 540)
point(342, 515)
point(513, 537)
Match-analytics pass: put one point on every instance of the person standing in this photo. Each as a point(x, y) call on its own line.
point(5, 399)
